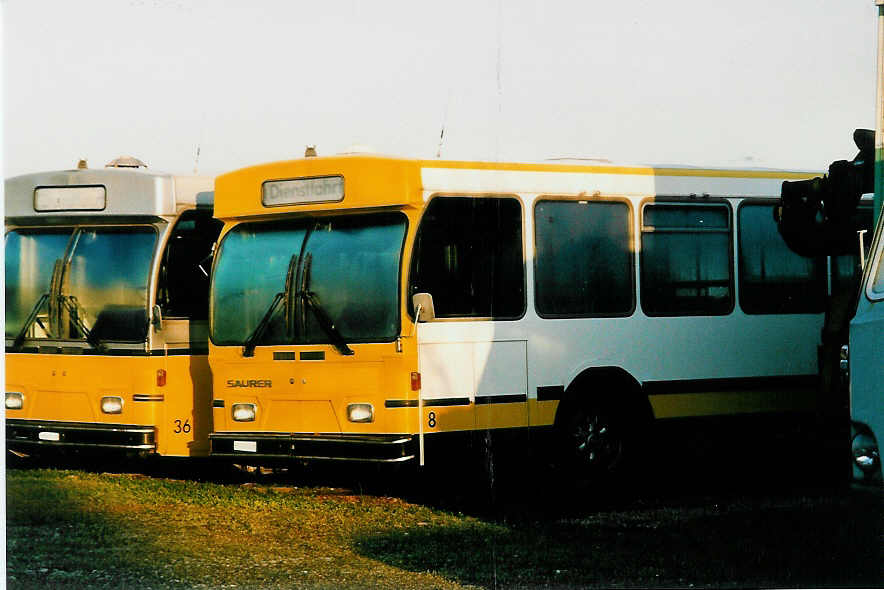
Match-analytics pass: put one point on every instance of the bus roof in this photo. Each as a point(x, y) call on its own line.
point(102, 192)
point(369, 181)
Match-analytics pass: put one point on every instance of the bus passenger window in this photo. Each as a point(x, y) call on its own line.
point(583, 259)
point(468, 256)
point(686, 260)
point(184, 274)
point(773, 279)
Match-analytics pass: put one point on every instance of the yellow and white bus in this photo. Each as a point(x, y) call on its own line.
point(107, 311)
point(582, 300)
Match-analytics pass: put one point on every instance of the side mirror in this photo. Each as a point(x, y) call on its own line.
point(156, 318)
point(423, 307)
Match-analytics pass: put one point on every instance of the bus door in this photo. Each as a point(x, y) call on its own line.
point(181, 332)
point(468, 256)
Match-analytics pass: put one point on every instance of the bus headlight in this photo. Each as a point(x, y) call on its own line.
point(360, 413)
point(112, 404)
point(14, 400)
point(244, 412)
point(865, 452)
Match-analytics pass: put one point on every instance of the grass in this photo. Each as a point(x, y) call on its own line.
point(86, 529)
point(77, 528)
point(703, 514)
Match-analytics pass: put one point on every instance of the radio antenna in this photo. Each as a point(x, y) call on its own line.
point(444, 120)
point(196, 159)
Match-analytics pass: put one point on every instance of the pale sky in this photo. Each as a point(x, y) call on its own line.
point(770, 83)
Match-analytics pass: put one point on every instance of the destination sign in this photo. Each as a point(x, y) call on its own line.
point(70, 198)
point(297, 191)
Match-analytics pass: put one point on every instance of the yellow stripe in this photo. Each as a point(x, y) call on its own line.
point(633, 170)
point(686, 405)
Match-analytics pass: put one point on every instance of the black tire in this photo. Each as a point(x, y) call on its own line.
point(596, 442)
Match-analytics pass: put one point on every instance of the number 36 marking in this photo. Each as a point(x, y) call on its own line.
point(182, 426)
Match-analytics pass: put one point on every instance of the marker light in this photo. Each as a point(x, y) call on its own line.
point(360, 413)
point(14, 400)
point(112, 404)
point(415, 381)
point(161, 377)
point(244, 412)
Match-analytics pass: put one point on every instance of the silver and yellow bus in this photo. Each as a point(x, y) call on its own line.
point(368, 308)
point(107, 311)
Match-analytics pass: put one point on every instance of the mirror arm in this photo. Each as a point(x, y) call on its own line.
point(417, 315)
point(157, 318)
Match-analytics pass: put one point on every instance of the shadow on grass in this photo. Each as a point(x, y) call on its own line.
point(57, 539)
point(723, 509)
point(803, 543)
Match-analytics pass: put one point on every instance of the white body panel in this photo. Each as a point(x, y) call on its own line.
point(651, 349)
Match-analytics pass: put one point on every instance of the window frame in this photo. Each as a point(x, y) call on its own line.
point(477, 195)
point(630, 244)
point(687, 200)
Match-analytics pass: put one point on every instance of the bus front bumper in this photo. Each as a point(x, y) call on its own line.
point(383, 448)
point(30, 436)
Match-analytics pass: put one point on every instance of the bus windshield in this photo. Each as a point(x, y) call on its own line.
point(309, 281)
point(101, 287)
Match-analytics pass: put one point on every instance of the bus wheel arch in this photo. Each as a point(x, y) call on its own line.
point(601, 423)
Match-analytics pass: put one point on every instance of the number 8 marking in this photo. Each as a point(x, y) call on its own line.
point(431, 419)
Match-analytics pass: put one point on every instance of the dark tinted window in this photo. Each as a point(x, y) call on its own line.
point(686, 260)
point(184, 274)
point(773, 279)
point(468, 256)
point(584, 262)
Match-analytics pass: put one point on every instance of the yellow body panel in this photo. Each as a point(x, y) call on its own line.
point(369, 181)
point(311, 396)
point(69, 388)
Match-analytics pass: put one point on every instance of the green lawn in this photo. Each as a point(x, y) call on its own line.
point(85, 529)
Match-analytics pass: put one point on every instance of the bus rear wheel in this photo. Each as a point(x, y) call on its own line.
point(596, 442)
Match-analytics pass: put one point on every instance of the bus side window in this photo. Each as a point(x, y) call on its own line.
point(468, 256)
point(686, 264)
point(773, 279)
point(184, 274)
point(584, 264)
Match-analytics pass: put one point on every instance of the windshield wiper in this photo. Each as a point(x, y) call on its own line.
point(257, 334)
point(77, 312)
point(32, 317)
point(311, 300)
